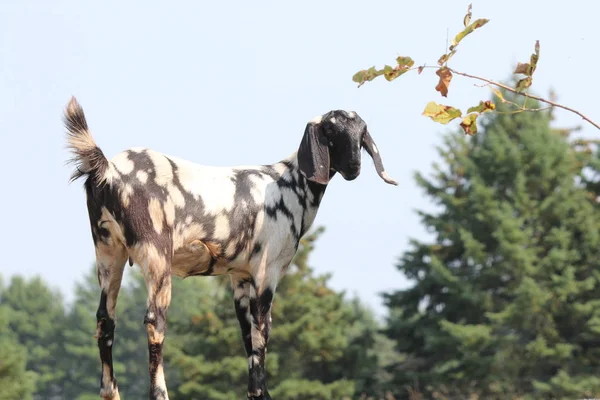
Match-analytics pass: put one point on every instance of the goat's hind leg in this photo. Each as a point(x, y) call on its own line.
point(157, 274)
point(110, 262)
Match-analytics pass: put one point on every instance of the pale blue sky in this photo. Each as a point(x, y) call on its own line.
point(227, 83)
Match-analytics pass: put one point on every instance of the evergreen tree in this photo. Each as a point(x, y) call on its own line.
point(15, 381)
point(504, 302)
point(36, 321)
point(322, 341)
point(321, 345)
point(81, 362)
point(204, 356)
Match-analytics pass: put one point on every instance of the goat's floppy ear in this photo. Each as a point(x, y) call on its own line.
point(313, 155)
point(373, 151)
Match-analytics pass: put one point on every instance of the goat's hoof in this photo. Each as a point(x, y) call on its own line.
point(159, 394)
point(110, 393)
point(259, 395)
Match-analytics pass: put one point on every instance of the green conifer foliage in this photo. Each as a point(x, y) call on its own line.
point(505, 297)
point(321, 346)
point(16, 382)
point(34, 321)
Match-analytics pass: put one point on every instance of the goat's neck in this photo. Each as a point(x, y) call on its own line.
point(314, 191)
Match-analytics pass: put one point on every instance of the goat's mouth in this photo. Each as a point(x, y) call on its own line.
point(350, 176)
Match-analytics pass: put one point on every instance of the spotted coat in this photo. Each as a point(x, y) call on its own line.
point(171, 216)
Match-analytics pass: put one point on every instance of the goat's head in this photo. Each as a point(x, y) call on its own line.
point(334, 142)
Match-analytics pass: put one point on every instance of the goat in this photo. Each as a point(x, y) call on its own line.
point(171, 216)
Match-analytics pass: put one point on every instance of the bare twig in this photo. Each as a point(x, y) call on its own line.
point(523, 109)
point(527, 95)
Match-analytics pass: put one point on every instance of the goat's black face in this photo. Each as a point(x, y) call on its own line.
point(334, 142)
point(343, 132)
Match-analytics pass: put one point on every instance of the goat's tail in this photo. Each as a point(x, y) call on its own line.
point(87, 156)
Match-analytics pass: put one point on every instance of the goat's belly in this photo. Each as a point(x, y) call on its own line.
point(194, 258)
point(202, 258)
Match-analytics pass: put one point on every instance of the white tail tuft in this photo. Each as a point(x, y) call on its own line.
point(87, 156)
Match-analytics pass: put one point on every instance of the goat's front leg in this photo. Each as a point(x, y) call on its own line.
point(110, 262)
point(158, 281)
point(253, 309)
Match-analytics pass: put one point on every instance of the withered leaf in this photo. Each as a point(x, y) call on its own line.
point(535, 57)
point(528, 69)
point(445, 78)
point(469, 124)
point(445, 57)
point(441, 113)
point(524, 83)
point(420, 69)
point(483, 106)
point(522, 69)
point(467, 18)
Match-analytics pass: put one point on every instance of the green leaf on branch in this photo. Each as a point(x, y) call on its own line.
point(468, 30)
point(483, 106)
point(366, 75)
point(445, 78)
point(390, 73)
point(498, 94)
point(441, 113)
point(404, 64)
point(469, 124)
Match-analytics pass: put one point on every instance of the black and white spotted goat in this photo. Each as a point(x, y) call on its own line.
point(174, 217)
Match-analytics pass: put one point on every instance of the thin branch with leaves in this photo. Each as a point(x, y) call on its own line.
point(444, 113)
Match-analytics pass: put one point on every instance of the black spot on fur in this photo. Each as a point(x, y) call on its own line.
point(265, 300)
point(157, 317)
point(102, 314)
point(193, 208)
point(245, 326)
point(242, 216)
point(155, 357)
point(257, 380)
point(157, 393)
point(211, 268)
point(283, 209)
point(106, 335)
